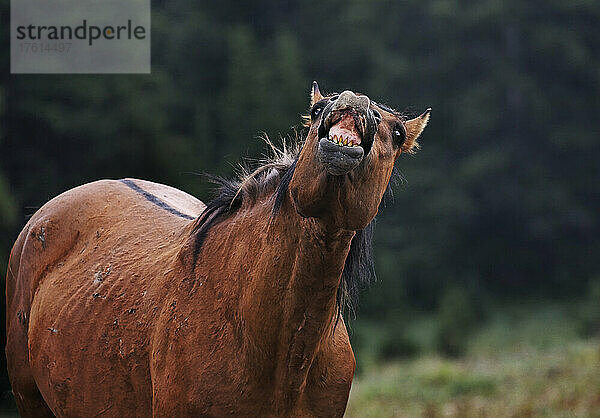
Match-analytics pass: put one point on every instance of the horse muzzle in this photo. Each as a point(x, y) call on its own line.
point(346, 133)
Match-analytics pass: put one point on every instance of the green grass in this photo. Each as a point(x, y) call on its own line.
point(562, 380)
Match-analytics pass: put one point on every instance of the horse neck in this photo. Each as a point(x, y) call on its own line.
point(292, 308)
point(288, 270)
point(310, 302)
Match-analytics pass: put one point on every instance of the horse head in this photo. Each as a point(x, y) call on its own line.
point(348, 157)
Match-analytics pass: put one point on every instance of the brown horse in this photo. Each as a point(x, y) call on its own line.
point(131, 298)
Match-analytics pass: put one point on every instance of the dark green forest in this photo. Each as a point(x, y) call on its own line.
point(500, 206)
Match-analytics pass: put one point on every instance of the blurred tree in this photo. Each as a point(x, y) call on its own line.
point(459, 315)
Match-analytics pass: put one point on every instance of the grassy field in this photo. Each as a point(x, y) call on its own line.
point(559, 381)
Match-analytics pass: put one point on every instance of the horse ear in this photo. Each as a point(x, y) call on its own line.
point(315, 94)
point(414, 128)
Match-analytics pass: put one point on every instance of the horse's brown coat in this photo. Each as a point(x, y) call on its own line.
point(110, 314)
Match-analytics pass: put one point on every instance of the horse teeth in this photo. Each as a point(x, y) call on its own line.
point(341, 140)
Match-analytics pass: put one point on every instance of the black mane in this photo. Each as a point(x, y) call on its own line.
point(274, 177)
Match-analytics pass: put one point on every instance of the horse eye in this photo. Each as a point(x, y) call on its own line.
point(399, 135)
point(316, 111)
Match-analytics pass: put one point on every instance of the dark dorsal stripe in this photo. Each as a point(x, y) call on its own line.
point(151, 198)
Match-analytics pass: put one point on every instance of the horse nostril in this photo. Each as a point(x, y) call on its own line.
point(376, 115)
point(363, 103)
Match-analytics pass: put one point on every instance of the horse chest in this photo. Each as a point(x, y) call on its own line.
point(222, 379)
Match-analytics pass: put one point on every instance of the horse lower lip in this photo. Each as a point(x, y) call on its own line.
point(338, 159)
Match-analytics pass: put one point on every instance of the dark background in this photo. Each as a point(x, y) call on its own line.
point(498, 210)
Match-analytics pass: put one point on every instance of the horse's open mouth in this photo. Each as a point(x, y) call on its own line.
point(342, 145)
